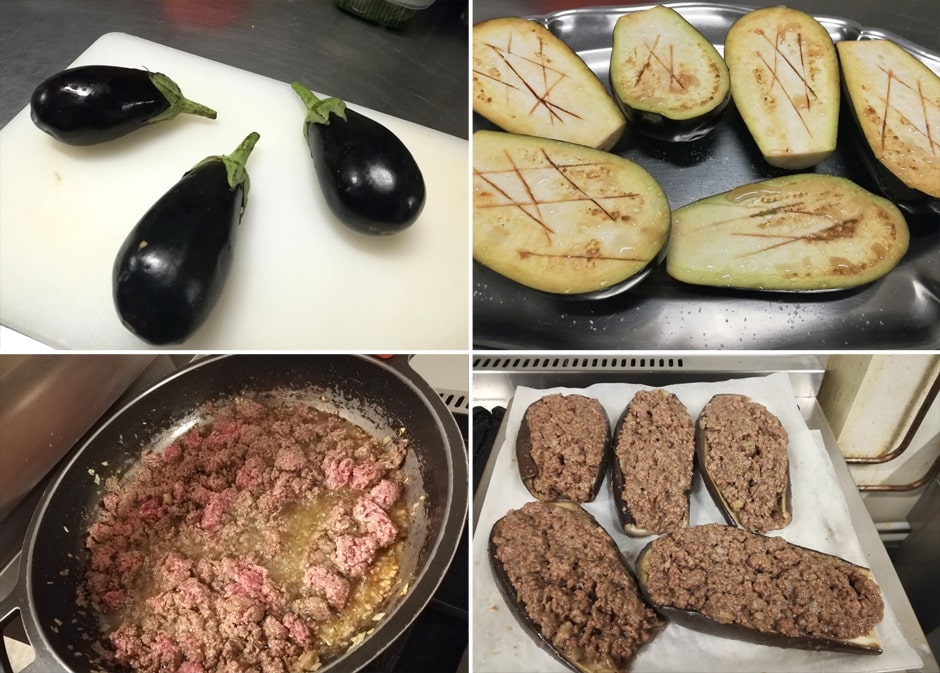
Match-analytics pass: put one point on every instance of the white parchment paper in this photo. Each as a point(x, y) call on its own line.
point(820, 521)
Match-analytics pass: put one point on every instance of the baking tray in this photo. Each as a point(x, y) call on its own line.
point(821, 520)
point(901, 310)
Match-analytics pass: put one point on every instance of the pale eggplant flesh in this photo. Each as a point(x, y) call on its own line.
point(804, 232)
point(529, 468)
point(563, 218)
point(785, 84)
point(867, 643)
point(526, 80)
point(670, 82)
point(894, 102)
point(573, 660)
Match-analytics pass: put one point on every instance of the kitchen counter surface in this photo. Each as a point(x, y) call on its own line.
point(416, 73)
point(917, 20)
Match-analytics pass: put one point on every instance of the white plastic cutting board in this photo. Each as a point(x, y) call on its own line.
point(299, 280)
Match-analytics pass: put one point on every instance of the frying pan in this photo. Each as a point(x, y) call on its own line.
point(382, 396)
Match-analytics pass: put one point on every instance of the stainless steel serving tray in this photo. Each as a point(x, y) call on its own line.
point(901, 310)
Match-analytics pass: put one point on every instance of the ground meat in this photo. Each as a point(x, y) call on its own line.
point(566, 576)
point(763, 583)
point(654, 452)
point(563, 447)
point(241, 542)
point(743, 453)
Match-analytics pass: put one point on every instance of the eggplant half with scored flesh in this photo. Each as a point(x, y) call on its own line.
point(731, 583)
point(670, 82)
point(172, 266)
point(563, 218)
point(742, 455)
point(569, 587)
point(526, 80)
point(563, 447)
point(894, 100)
point(91, 104)
point(369, 178)
point(792, 233)
point(652, 464)
point(785, 83)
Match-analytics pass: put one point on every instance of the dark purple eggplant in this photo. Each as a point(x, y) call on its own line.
point(652, 463)
point(91, 104)
point(370, 180)
point(554, 560)
point(563, 448)
point(737, 570)
point(171, 268)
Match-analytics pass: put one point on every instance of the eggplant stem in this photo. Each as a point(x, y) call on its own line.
point(318, 111)
point(179, 104)
point(235, 169)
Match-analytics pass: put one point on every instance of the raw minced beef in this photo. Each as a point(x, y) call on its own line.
point(264, 540)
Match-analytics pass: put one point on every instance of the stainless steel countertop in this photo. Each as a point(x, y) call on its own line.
point(418, 73)
point(917, 20)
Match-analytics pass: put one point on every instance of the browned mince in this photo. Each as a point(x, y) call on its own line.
point(573, 584)
point(747, 459)
point(264, 540)
point(763, 583)
point(569, 438)
point(656, 450)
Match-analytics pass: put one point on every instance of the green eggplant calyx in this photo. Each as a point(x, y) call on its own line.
point(318, 111)
point(236, 171)
point(179, 104)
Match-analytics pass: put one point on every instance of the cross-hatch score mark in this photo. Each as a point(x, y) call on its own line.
point(551, 78)
point(799, 72)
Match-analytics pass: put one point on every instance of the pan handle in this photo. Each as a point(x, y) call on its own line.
point(16, 603)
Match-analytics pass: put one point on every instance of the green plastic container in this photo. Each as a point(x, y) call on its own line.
point(388, 13)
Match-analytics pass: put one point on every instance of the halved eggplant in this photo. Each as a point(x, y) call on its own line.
point(796, 232)
point(895, 102)
point(560, 217)
point(563, 447)
point(569, 587)
point(652, 464)
point(741, 452)
point(785, 83)
point(728, 582)
point(670, 82)
point(527, 80)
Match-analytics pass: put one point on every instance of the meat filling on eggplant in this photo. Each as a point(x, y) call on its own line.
point(654, 452)
point(563, 575)
point(762, 583)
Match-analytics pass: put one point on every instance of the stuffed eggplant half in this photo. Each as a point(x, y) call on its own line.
point(747, 586)
point(652, 464)
point(563, 448)
point(568, 585)
point(741, 451)
point(670, 82)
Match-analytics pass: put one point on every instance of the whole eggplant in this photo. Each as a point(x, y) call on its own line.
point(370, 180)
point(91, 104)
point(172, 266)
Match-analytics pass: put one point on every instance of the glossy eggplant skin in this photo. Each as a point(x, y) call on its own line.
point(172, 266)
point(370, 180)
point(92, 104)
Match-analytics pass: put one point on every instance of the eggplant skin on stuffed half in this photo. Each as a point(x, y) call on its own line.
point(670, 82)
point(570, 588)
point(731, 583)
